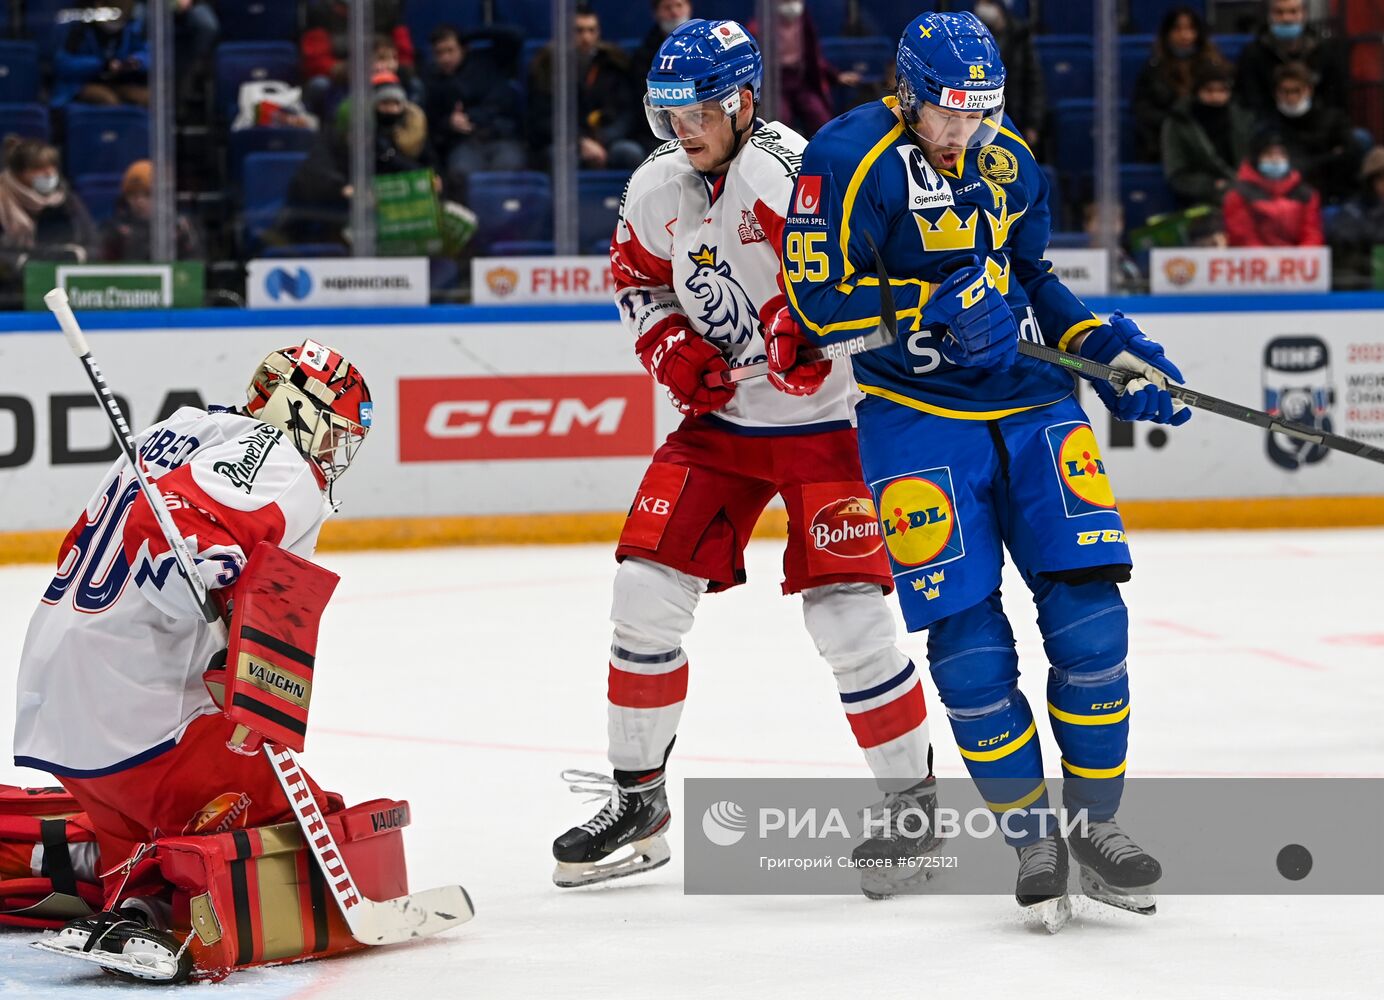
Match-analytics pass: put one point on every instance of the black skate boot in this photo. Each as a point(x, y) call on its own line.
point(132, 942)
point(1114, 869)
point(1042, 884)
point(636, 816)
point(890, 863)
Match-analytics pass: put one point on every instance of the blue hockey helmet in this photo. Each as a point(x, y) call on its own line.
point(951, 80)
point(697, 76)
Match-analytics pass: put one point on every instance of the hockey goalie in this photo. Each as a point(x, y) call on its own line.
point(171, 850)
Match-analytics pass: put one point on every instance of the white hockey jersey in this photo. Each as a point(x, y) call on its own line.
point(705, 251)
point(111, 672)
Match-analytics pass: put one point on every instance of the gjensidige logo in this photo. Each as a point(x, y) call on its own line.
point(724, 823)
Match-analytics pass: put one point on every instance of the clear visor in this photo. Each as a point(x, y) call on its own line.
point(950, 128)
point(688, 121)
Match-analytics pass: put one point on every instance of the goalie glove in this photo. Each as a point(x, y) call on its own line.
point(783, 339)
point(680, 359)
point(1121, 344)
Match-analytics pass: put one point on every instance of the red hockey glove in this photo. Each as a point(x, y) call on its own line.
point(681, 359)
point(783, 339)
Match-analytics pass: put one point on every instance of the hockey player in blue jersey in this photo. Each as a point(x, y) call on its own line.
point(971, 449)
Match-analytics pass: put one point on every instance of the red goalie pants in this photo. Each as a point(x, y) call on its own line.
point(197, 787)
point(706, 488)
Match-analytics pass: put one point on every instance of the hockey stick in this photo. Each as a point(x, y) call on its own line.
point(371, 922)
point(1258, 418)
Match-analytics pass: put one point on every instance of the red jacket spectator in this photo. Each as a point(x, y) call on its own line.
point(1264, 212)
point(324, 44)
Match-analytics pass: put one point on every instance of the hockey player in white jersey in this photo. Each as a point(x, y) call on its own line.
point(696, 262)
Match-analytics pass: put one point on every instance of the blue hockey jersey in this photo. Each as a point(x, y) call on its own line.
point(862, 174)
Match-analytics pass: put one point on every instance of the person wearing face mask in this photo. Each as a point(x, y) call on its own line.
point(668, 16)
point(1270, 205)
point(1025, 93)
point(1318, 137)
point(805, 75)
point(1180, 50)
point(1288, 37)
point(40, 217)
point(103, 61)
point(1204, 137)
point(126, 237)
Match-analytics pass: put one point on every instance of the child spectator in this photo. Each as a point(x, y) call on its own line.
point(1180, 51)
point(387, 61)
point(126, 237)
point(1358, 227)
point(1270, 205)
point(40, 217)
point(103, 61)
point(475, 114)
point(1204, 137)
point(1287, 37)
point(1319, 137)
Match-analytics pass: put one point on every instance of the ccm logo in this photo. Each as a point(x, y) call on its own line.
point(525, 417)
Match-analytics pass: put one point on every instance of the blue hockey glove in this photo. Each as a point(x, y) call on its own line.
point(982, 332)
point(1121, 344)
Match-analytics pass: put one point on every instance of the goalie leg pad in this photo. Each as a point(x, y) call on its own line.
point(49, 861)
point(279, 601)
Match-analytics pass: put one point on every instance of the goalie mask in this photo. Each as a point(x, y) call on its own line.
point(318, 399)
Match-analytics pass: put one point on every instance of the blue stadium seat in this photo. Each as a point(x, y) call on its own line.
point(239, 62)
point(511, 206)
point(532, 47)
point(258, 20)
point(99, 192)
point(522, 248)
point(1145, 15)
point(422, 16)
point(105, 140)
point(1067, 17)
point(267, 176)
point(535, 16)
point(867, 56)
point(1231, 45)
point(245, 141)
point(28, 120)
point(1068, 241)
point(41, 22)
point(1144, 192)
point(1134, 53)
point(598, 195)
point(1068, 64)
point(1074, 122)
point(18, 72)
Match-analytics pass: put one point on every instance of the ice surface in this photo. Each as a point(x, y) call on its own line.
point(465, 679)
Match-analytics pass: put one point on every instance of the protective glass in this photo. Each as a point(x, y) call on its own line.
point(689, 121)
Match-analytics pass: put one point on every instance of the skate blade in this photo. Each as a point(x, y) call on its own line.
point(1054, 913)
point(140, 959)
point(1139, 900)
point(875, 885)
point(650, 853)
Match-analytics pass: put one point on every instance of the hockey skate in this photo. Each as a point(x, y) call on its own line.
point(126, 943)
point(635, 817)
point(890, 863)
point(1042, 884)
point(1114, 869)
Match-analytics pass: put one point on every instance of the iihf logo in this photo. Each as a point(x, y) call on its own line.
point(724, 823)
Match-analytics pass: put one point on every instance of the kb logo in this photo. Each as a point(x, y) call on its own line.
point(724, 823)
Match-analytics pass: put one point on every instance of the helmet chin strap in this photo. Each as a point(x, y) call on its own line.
point(738, 136)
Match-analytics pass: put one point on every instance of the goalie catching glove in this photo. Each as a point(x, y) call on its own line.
point(1121, 344)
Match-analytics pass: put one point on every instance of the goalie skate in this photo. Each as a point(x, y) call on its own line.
point(626, 837)
point(127, 948)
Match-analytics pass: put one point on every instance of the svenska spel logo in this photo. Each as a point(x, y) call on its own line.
point(724, 823)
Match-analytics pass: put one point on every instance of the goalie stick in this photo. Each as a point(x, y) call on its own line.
point(887, 334)
point(371, 922)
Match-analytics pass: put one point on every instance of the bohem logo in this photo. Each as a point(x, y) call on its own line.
point(281, 282)
point(724, 823)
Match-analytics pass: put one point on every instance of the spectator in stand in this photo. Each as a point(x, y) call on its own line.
point(196, 29)
point(1358, 227)
point(41, 218)
point(805, 76)
point(1270, 205)
point(387, 61)
point(126, 237)
point(318, 206)
point(326, 46)
point(608, 107)
point(475, 115)
point(667, 15)
point(1025, 95)
point(1318, 136)
point(1181, 49)
point(103, 61)
point(1287, 37)
point(1204, 137)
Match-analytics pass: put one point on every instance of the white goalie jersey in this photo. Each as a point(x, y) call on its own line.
point(704, 251)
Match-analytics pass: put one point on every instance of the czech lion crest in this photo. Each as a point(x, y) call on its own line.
point(727, 312)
